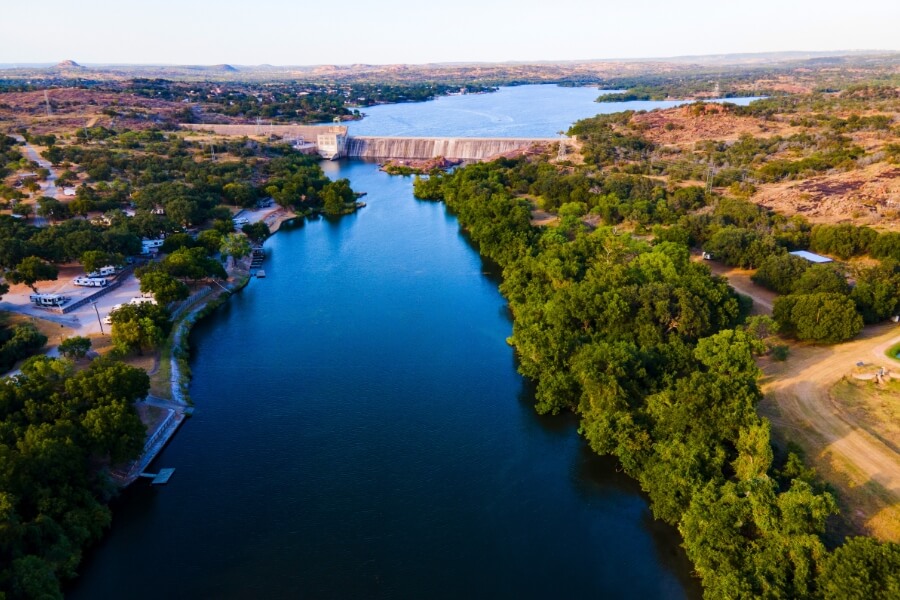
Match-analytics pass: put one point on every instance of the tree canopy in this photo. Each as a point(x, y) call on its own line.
point(59, 432)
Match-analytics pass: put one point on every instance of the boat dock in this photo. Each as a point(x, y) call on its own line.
point(160, 478)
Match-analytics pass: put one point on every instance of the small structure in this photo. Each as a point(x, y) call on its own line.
point(811, 257)
point(160, 478)
point(333, 143)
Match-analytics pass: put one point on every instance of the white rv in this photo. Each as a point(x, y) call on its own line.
point(142, 300)
point(102, 272)
point(48, 299)
point(91, 282)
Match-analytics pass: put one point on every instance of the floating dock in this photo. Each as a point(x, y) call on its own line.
point(160, 478)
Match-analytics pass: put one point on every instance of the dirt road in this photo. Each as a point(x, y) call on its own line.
point(864, 469)
point(48, 188)
point(740, 280)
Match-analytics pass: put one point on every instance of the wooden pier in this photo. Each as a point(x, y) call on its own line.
point(257, 256)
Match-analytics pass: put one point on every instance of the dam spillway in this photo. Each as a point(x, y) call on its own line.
point(332, 141)
point(468, 149)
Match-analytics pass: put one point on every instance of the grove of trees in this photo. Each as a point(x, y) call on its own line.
point(647, 347)
point(59, 432)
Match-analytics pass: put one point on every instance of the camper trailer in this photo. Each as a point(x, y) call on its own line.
point(91, 282)
point(103, 272)
point(149, 247)
point(49, 300)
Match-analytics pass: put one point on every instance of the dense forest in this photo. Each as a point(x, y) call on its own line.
point(656, 357)
point(59, 431)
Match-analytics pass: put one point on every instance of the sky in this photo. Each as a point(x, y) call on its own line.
point(303, 32)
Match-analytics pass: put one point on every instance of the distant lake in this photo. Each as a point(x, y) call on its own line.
point(361, 430)
point(517, 111)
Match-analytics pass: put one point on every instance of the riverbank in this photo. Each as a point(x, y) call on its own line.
point(171, 379)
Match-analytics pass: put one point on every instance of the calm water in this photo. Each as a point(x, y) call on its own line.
point(361, 431)
point(520, 111)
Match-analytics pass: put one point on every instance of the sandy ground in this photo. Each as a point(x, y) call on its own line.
point(273, 216)
point(866, 196)
point(849, 454)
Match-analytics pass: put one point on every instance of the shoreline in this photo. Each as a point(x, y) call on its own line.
point(179, 404)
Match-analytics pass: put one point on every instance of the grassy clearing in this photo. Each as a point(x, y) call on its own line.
point(875, 407)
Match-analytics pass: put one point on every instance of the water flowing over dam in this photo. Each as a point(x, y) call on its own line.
point(332, 141)
point(424, 148)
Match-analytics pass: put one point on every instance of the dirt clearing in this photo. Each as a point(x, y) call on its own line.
point(841, 440)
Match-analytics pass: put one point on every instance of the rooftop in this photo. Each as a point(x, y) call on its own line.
point(813, 258)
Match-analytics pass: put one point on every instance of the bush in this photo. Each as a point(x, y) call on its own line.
point(75, 347)
point(780, 352)
point(825, 318)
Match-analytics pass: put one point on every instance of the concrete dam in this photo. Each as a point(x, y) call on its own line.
point(333, 141)
point(423, 148)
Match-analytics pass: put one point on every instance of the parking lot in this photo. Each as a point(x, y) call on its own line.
point(83, 319)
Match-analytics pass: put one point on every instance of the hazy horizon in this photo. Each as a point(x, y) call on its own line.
point(841, 52)
point(277, 32)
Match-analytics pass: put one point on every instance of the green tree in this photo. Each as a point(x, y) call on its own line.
point(164, 287)
point(877, 291)
point(257, 232)
point(52, 209)
point(75, 347)
point(235, 245)
point(825, 279)
point(211, 239)
point(139, 327)
point(780, 272)
point(31, 270)
point(193, 264)
point(94, 260)
point(862, 569)
point(825, 318)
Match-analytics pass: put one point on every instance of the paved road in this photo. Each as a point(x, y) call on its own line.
point(48, 187)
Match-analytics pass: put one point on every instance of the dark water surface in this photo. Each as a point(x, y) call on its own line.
point(361, 432)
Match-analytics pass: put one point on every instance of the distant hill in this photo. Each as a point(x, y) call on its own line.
point(68, 64)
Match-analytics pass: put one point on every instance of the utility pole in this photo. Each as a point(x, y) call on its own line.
point(47, 102)
point(709, 178)
point(98, 317)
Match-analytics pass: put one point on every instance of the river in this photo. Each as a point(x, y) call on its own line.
point(361, 431)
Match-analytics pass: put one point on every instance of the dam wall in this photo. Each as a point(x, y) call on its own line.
point(332, 141)
point(424, 148)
